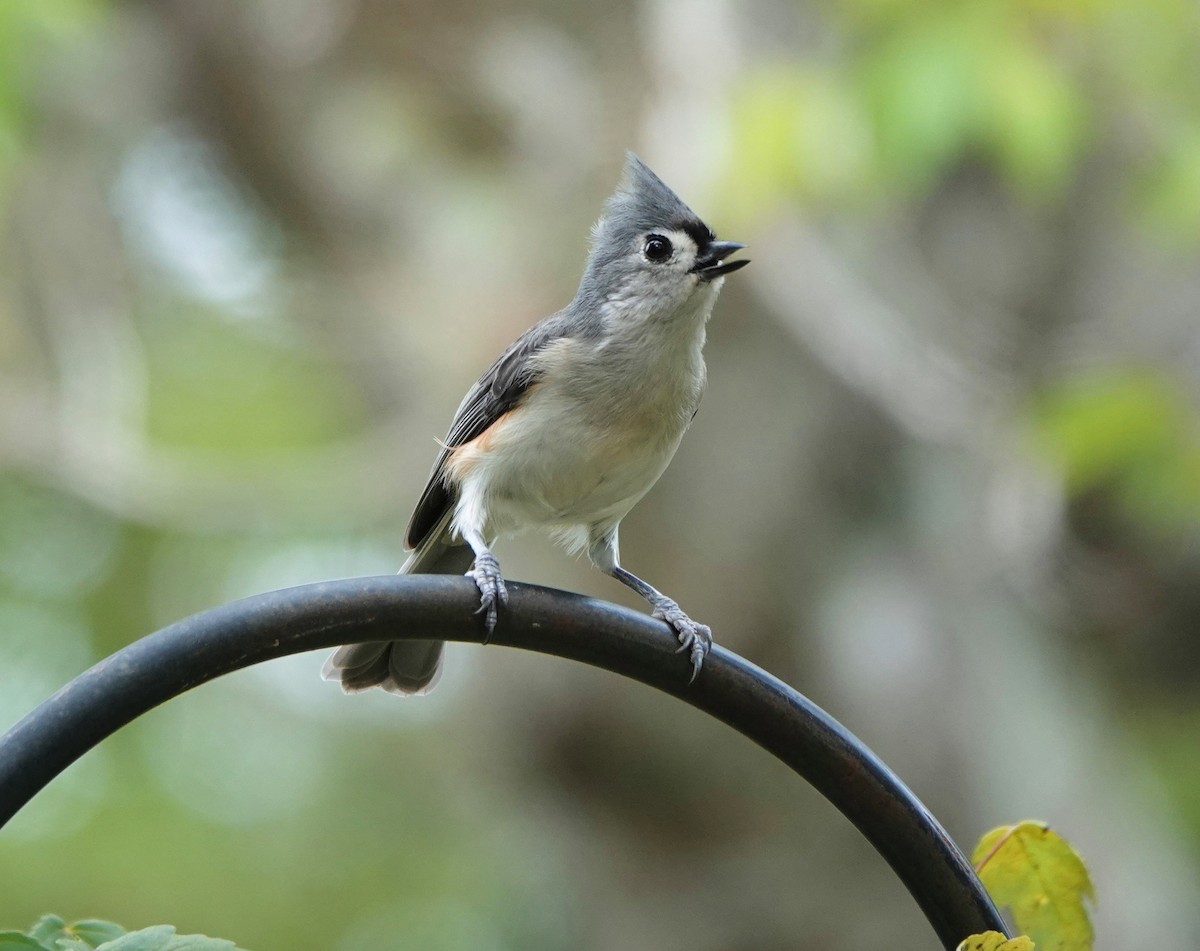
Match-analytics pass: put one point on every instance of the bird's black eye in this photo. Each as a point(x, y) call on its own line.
point(657, 249)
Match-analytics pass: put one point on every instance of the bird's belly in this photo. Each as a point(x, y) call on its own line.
point(571, 473)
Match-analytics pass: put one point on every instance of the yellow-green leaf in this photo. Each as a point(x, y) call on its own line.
point(995, 941)
point(1033, 871)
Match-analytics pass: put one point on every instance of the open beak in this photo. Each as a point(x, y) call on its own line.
point(709, 262)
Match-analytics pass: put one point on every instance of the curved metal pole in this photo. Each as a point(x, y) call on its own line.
point(215, 642)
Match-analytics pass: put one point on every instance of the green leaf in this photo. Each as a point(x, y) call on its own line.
point(164, 938)
point(1033, 871)
point(1100, 421)
point(154, 938)
point(205, 372)
point(1035, 116)
point(764, 125)
point(14, 940)
point(51, 933)
point(95, 932)
point(46, 929)
point(1170, 192)
point(199, 942)
point(995, 941)
point(924, 90)
point(802, 135)
point(1131, 430)
point(71, 942)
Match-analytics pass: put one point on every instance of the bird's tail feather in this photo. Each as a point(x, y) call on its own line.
point(405, 668)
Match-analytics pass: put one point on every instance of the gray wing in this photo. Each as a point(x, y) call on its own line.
point(502, 386)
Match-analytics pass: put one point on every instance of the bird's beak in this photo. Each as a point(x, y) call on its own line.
point(708, 262)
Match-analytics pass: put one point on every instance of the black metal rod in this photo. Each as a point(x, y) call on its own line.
point(197, 649)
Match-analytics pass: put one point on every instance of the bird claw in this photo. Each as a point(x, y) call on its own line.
point(693, 637)
point(492, 592)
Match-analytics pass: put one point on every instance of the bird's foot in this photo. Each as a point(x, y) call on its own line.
point(694, 638)
point(492, 593)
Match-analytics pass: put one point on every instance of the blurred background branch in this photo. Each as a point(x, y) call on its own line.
point(945, 480)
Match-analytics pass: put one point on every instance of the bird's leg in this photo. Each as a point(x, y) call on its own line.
point(486, 575)
point(693, 637)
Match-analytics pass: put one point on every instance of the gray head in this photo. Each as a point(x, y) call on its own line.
point(650, 247)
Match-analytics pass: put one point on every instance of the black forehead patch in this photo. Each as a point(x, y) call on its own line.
point(697, 230)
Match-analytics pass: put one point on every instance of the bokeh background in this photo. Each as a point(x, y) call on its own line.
point(945, 480)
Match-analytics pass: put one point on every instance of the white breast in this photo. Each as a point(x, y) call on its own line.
point(590, 439)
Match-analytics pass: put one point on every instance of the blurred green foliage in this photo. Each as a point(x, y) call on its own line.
point(51, 933)
point(924, 87)
point(253, 253)
point(1131, 432)
point(215, 385)
point(907, 92)
point(1036, 875)
point(28, 28)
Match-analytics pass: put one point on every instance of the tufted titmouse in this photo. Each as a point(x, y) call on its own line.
point(572, 425)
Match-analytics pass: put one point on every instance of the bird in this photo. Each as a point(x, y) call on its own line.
point(572, 425)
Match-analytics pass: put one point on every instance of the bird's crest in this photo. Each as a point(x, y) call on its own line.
point(643, 202)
